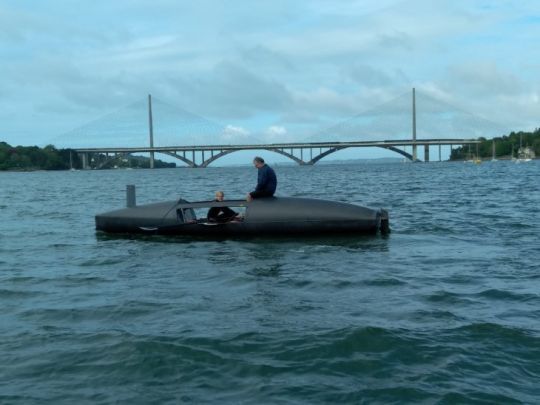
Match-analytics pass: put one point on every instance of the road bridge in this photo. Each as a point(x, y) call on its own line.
point(303, 153)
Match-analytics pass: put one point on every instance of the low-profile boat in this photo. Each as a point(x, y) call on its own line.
point(283, 216)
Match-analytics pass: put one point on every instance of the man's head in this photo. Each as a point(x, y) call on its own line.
point(258, 162)
point(220, 195)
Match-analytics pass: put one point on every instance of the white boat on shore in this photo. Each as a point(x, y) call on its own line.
point(525, 154)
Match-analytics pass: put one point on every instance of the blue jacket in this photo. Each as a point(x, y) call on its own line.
point(266, 182)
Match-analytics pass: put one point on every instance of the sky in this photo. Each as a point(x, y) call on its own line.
point(275, 71)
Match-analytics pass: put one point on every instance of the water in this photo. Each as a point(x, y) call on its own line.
point(444, 310)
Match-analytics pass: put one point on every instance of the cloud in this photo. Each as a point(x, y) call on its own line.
point(484, 79)
point(234, 134)
point(369, 76)
point(276, 134)
point(231, 91)
point(299, 66)
point(276, 130)
point(240, 135)
point(265, 59)
point(489, 91)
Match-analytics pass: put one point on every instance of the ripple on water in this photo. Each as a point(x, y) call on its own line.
point(75, 314)
point(351, 363)
point(448, 298)
point(384, 282)
point(8, 294)
point(443, 310)
point(504, 295)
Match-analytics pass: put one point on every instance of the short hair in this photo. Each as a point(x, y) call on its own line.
point(220, 193)
point(258, 159)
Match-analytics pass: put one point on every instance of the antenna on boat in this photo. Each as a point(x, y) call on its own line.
point(131, 200)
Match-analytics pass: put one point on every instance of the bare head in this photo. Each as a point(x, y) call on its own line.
point(258, 162)
point(220, 195)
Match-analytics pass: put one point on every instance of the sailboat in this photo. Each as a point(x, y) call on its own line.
point(477, 159)
point(71, 168)
point(525, 154)
point(493, 158)
point(469, 156)
point(474, 158)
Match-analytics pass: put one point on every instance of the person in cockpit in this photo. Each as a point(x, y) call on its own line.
point(221, 214)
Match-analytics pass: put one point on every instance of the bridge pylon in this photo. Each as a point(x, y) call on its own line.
point(414, 149)
point(151, 130)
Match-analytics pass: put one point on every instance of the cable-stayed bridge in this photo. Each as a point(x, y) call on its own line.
point(152, 126)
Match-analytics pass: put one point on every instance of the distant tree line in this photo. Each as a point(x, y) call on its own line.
point(50, 158)
point(101, 161)
point(505, 146)
point(34, 158)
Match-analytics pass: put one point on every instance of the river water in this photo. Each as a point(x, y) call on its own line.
point(444, 310)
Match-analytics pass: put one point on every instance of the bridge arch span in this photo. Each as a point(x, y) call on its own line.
point(324, 154)
point(203, 156)
point(108, 159)
point(337, 149)
point(400, 151)
point(179, 157)
point(282, 152)
point(227, 152)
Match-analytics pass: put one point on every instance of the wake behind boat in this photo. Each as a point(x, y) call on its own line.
point(284, 216)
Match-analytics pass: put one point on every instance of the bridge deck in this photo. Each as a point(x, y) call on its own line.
point(295, 145)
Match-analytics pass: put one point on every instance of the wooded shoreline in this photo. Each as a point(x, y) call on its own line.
point(31, 158)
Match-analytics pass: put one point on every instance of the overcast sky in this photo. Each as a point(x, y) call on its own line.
point(278, 68)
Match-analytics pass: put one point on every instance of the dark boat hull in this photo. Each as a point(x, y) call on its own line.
point(271, 229)
point(264, 217)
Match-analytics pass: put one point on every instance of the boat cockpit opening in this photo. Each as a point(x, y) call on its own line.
point(199, 214)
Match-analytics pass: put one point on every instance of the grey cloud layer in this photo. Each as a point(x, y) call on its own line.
point(305, 65)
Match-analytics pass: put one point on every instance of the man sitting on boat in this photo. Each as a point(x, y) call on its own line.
point(221, 214)
point(266, 180)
